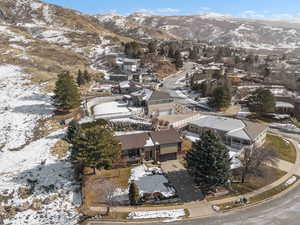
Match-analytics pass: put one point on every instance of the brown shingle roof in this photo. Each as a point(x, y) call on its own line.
point(159, 95)
point(162, 137)
point(133, 141)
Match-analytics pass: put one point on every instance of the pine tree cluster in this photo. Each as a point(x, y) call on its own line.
point(83, 77)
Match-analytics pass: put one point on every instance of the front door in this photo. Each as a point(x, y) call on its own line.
point(148, 155)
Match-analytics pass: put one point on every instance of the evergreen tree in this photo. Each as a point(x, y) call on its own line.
point(208, 162)
point(178, 60)
point(134, 194)
point(66, 94)
point(262, 101)
point(80, 78)
point(132, 49)
point(221, 97)
point(95, 147)
point(87, 76)
point(152, 46)
point(172, 51)
point(73, 131)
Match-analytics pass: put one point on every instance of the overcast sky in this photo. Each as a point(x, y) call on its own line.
point(239, 8)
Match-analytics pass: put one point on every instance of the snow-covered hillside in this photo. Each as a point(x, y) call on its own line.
point(218, 28)
point(21, 106)
point(46, 39)
point(132, 27)
point(35, 187)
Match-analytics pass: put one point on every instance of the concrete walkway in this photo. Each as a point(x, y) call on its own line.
point(203, 208)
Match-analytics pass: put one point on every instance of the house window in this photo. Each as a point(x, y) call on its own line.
point(134, 153)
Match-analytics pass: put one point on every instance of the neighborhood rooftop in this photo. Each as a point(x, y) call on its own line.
point(149, 139)
point(237, 128)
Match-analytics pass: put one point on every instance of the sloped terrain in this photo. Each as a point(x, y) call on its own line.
point(220, 29)
point(38, 41)
point(45, 39)
point(128, 27)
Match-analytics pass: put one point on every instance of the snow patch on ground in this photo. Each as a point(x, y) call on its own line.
point(21, 106)
point(54, 187)
point(47, 14)
point(174, 214)
point(54, 36)
point(290, 181)
point(12, 36)
point(51, 193)
point(151, 180)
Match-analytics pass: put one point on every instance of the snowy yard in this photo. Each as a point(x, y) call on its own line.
point(37, 188)
point(111, 110)
point(21, 106)
point(171, 214)
point(149, 180)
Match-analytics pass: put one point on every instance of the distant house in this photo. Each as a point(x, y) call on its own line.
point(153, 146)
point(234, 133)
point(185, 54)
point(130, 65)
point(141, 97)
point(160, 103)
point(120, 77)
point(284, 108)
point(127, 87)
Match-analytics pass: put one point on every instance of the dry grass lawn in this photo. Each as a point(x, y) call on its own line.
point(285, 149)
point(93, 195)
point(60, 149)
point(266, 176)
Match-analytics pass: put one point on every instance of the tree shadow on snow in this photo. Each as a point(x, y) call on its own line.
point(37, 109)
point(36, 97)
point(47, 179)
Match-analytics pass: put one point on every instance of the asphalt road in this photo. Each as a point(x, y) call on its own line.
point(171, 83)
point(281, 211)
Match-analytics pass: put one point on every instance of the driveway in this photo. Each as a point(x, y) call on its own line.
point(182, 181)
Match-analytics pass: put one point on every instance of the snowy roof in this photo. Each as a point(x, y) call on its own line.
point(240, 134)
point(219, 123)
point(241, 129)
point(131, 61)
point(124, 84)
point(159, 95)
point(284, 105)
point(144, 93)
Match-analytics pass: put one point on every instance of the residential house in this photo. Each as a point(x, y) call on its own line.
point(130, 65)
point(140, 97)
point(152, 146)
point(234, 133)
point(160, 103)
point(120, 77)
point(284, 108)
point(127, 87)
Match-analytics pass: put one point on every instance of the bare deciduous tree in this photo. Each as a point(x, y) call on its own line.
point(253, 158)
point(108, 188)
